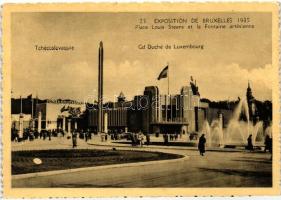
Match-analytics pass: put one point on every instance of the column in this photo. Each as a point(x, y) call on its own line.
point(221, 130)
point(47, 124)
point(166, 109)
point(21, 126)
point(69, 127)
point(171, 108)
point(75, 124)
point(63, 123)
point(100, 89)
point(32, 124)
point(39, 122)
point(105, 123)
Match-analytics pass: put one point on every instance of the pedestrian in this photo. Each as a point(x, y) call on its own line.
point(17, 137)
point(89, 134)
point(36, 134)
point(166, 139)
point(85, 135)
point(44, 135)
point(31, 136)
point(49, 134)
point(270, 146)
point(132, 138)
point(267, 143)
point(141, 139)
point(136, 139)
point(147, 139)
point(250, 143)
point(53, 133)
point(201, 144)
point(74, 139)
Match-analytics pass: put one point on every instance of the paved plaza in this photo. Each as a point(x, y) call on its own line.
point(218, 168)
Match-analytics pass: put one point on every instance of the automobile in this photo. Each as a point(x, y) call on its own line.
point(193, 136)
point(129, 135)
point(124, 135)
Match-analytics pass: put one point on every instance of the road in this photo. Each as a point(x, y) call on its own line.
point(216, 169)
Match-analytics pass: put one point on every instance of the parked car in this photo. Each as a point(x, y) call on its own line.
point(193, 136)
point(125, 135)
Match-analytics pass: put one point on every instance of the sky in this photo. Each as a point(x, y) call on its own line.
point(229, 60)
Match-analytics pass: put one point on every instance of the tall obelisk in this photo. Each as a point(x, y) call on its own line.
point(100, 89)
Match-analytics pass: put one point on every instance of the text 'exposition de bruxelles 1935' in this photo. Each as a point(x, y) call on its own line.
point(195, 22)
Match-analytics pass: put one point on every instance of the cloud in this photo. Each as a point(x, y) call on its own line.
point(129, 77)
point(221, 82)
point(217, 82)
point(73, 81)
point(79, 80)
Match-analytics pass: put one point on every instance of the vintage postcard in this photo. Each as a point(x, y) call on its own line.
point(113, 100)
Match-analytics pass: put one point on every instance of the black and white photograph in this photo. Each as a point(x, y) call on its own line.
point(130, 98)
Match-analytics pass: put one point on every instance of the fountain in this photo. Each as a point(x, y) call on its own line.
point(213, 133)
point(237, 131)
point(206, 130)
point(268, 131)
point(258, 133)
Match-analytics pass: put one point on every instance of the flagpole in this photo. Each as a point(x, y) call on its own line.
point(168, 79)
point(170, 96)
point(32, 108)
point(20, 105)
point(169, 92)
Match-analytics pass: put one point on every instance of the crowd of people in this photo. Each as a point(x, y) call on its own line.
point(267, 143)
point(170, 137)
point(137, 139)
point(29, 134)
point(249, 146)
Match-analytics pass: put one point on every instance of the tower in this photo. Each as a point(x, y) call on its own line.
point(249, 93)
point(251, 102)
point(150, 106)
point(121, 98)
point(100, 90)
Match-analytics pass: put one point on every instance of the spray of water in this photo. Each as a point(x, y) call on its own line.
point(237, 130)
point(206, 130)
point(213, 133)
point(268, 131)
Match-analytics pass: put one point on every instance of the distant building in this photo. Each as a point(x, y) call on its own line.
point(153, 112)
point(117, 115)
point(26, 119)
point(59, 114)
point(179, 113)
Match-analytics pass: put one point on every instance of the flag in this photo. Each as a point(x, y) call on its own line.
point(64, 109)
point(164, 73)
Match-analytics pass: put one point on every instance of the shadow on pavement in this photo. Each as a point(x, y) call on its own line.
point(173, 144)
point(244, 173)
point(254, 161)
